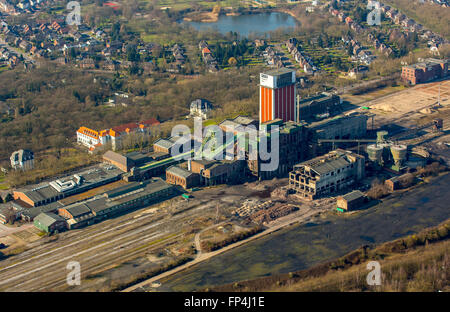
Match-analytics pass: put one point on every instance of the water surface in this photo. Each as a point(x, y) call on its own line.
point(246, 24)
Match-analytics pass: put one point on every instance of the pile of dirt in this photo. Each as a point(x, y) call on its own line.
point(280, 193)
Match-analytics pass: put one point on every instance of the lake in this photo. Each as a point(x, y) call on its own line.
point(246, 24)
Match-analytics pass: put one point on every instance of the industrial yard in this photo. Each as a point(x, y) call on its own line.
point(142, 216)
point(115, 251)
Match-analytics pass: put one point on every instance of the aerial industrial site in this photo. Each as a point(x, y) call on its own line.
point(227, 161)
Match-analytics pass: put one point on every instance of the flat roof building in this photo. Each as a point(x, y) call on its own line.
point(120, 161)
point(318, 106)
point(124, 198)
point(350, 126)
point(47, 192)
point(427, 70)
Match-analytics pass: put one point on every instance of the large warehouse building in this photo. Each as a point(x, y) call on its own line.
point(48, 192)
point(130, 196)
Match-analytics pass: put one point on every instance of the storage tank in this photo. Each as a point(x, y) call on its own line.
point(382, 136)
point(386, 152)
point(375, 153)
point(399, 153)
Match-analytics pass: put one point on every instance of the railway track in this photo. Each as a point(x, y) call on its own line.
point(97, 248)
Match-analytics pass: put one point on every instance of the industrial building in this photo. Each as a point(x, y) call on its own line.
point(28, 214)
point(120, 161)
point(179, 176)
point(133, 195)
point(8, 213)
point(323, 175)
point(386, 153)
point(350, 126)
point(133, 159)
point(213, 172)
point(237, 124)
point(397, 182)
point(50, 222)
point(350, 201)
point(427, 70)
point(166, 145)
point(319, 106)
point(163, 145)
point(47, 192)
point(277, 95)
point(292, 148)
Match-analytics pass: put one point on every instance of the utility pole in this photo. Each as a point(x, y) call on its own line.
point(439, 95)
point(217, 214)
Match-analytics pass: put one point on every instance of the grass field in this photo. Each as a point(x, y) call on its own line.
point(184, 4)
point(3, 184)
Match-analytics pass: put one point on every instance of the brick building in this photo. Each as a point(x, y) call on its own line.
point(428, 70)
point(179, 176)
point(350, 201)
point(214, 172)
point(120, 161)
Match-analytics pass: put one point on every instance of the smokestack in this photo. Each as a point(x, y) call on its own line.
point(298, 108)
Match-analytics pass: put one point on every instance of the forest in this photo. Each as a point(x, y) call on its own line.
point(48, 105)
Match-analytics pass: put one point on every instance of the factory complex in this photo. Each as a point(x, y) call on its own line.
point(308, 132)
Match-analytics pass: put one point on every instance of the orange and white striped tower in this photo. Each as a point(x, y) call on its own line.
point(277, 95)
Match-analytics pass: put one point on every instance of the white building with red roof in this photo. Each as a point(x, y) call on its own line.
point(93, 139)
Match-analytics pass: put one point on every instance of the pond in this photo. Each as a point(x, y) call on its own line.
point(246, 24)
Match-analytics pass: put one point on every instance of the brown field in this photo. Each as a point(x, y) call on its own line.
point(417, 98)
point(409, 107)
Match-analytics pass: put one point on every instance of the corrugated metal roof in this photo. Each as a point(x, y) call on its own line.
point(329, 165)
point(47, 218)
point(353, 195)
point(164, 143)
point(78, 210)
point(179, 171)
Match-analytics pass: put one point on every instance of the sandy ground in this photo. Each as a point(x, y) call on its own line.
point(413, 104)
